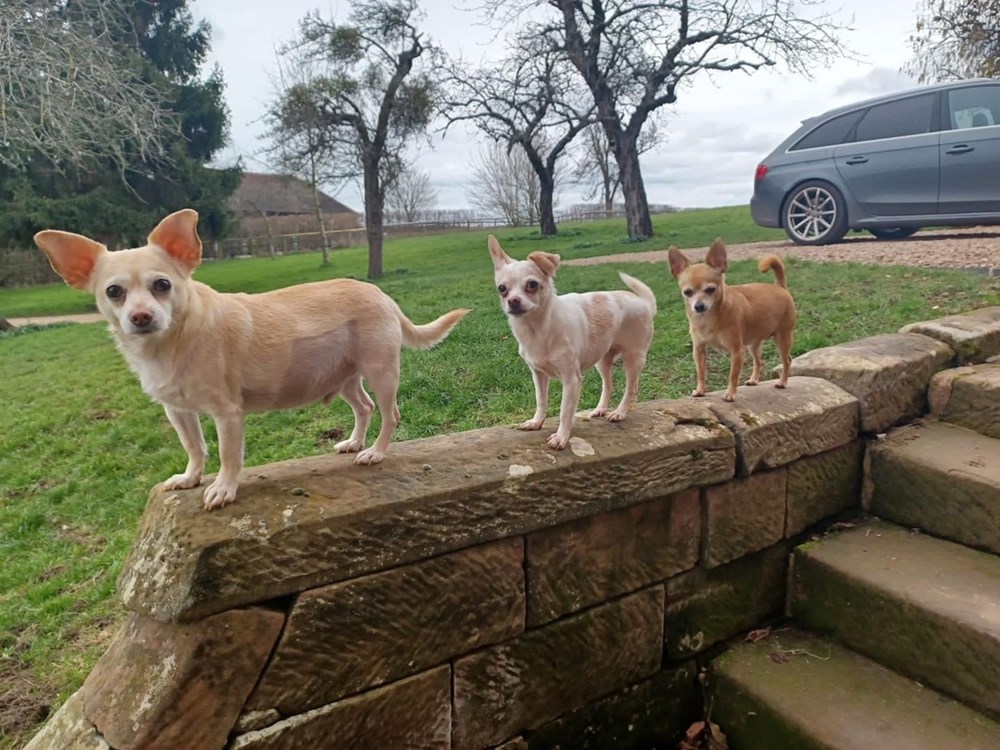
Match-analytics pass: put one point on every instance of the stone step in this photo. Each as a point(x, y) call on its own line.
point(942, 479)
point(927, 608)
point(968, 397)
point(793, 690)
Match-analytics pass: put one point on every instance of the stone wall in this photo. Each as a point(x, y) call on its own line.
point(479, 590)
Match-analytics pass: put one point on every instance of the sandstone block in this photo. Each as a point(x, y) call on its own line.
point(969, 397)
point(974, 336)
point(414, 713)
point(744, 515)
point(823, 485)
point(888, 374)
point(68, 729)
point(941, 478)
point(647, 715)
point(524, 683)
point(588, 561)
point(178, 685)
point(348, 637)
point(773, 427)
point(709, 605)
point(448, 492)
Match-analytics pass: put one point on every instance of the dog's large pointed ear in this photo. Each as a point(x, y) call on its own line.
point(548, 262)
point(678, 261)
point(716, 257)
point(72, 256)
point(178, 235)
point(500, 258)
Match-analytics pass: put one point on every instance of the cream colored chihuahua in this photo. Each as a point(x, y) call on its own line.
point(561, 336)
point(198, 351)
point(734, 317)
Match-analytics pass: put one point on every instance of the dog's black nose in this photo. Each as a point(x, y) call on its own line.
point(514, 304)
point(141, 318)
point(699, 307)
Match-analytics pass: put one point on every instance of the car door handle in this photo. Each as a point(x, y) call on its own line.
point(962, 148)
point(857, 160)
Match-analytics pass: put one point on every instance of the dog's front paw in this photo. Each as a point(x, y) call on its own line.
point(349, 446)
point(369, 457)
point(779, 385)
point(531, 424)
point(182, 482)
point(752, 382)
point(599, 412)
point(729, 397)
point(218, 494)
point(617, 415)
point(558, 441)
point(698, 392)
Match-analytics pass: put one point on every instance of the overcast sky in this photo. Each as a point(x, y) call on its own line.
point(718, 130)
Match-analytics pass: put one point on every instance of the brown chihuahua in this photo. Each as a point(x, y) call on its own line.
point(734, 317)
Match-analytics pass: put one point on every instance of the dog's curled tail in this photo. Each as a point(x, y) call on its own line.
point(773, 263)
point(426, 336)
point(641, 290)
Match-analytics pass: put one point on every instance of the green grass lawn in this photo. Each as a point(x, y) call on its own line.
point(80, 445)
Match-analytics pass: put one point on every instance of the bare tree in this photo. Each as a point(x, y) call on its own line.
point(527, 101)
point(596, 166)
point(956, 39)
point(635, 57)
point(367, 96)
point(68, 94)
point(410, 195)
point(504, 184)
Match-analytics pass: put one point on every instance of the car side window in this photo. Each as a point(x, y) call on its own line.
point(974, 107)
point(910, 116)
point(830, 133)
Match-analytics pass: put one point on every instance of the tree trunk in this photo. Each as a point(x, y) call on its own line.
point(546, 214)
point(640, 225)
point(373, 220)
point(322, 225)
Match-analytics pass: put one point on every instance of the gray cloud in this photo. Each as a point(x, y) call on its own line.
point(875, 82)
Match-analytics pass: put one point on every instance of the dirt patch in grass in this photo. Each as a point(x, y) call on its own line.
point(25, 702)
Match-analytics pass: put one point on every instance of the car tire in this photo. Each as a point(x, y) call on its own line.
point(893, 233)
point(814, 213)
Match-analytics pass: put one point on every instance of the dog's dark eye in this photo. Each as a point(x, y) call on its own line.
point(709, 290)
point(502, 288)
point(688, 292)
point(161, 285)
point(114, 291)
point(531, 285)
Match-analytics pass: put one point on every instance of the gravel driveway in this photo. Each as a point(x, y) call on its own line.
point(976, 248)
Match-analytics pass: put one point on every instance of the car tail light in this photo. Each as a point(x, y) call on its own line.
point(760, 173)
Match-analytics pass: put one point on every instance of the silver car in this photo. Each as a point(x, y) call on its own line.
point(928, 156)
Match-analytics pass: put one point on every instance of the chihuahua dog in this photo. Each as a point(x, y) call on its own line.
point(560, 336)
point(198, 351)
point(734, 317)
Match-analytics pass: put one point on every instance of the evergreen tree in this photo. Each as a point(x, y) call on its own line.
point(118, 200)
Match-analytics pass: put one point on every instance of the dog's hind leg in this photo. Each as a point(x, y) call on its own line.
point(783, 340)
point(633, 362)
point(362, 405)
point(384, 383)
point(758, 363)
point(604, 366)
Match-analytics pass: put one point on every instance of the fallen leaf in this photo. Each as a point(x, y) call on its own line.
point(755, 636)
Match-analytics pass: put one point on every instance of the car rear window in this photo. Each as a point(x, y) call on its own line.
point(909, 116)
point(830, 133)
point(974, 107)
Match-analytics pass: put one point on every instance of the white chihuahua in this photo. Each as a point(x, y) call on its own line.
point(560, 336)
point(198, 351)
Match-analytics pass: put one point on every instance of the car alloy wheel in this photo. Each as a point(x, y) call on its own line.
point(815, 215)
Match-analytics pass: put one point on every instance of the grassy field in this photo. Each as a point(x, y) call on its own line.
point(80, 445)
